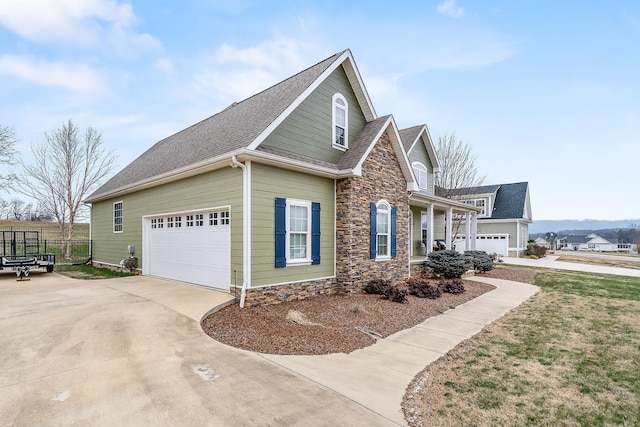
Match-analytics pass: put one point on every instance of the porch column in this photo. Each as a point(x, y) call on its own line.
point(430, 229)
point(474, 230)
point(449, 227)
point(467, 231)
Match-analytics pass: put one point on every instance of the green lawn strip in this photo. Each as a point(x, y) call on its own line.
point(569, 356)
point(634, 265)
point(88, 272)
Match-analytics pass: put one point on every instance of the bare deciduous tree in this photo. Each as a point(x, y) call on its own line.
point(458, 171)
point(7, 153)
point(66, 169)
point(458, 166)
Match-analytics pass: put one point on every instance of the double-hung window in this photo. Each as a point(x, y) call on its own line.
point(297, 238)
point(340, 122)
point(117, 217)
point(298, 231)
point(383, 230)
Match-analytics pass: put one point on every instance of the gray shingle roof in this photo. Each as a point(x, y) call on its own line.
point(409, 135)
point(358, 147)
point(231, 129)
point(509, 201)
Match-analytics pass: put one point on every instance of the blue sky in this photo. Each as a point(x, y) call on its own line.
point(544, 91)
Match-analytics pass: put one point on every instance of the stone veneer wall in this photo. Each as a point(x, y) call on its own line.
point(381, 178)
point(288, 292)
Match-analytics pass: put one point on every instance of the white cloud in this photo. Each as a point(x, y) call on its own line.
point(165, 65)
point(74, 77)
point(449, 8)
point(82, 23)
point(242, 72)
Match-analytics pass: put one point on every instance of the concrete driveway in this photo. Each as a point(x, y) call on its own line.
point(131, 352)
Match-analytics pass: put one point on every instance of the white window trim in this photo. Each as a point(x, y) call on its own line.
point(387, 206)
point(298, 261)
point(335, 105)
point(423, 168)
point(474, 202)
point(121, 216)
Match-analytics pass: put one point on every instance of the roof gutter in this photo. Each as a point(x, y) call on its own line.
point(223, 161)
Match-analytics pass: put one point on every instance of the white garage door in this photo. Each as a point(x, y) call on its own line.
point(490, 243)
point(191, 247)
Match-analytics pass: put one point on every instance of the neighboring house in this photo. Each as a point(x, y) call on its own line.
point(504, 218)
point(592, 242)
point(541, 242)
point(299, 190)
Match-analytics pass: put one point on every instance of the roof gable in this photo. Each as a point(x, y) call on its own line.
point(510, 201)
point(415, 135)
point(242, 125)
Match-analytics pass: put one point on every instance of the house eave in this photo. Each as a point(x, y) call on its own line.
point(418, 197)
point(224, 161)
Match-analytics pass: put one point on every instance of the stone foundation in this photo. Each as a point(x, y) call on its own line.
point(289, 292)
point(121, 269)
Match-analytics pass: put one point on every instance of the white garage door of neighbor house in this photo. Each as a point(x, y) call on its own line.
point(490, 243)
point(493, 244)
point(190, 247)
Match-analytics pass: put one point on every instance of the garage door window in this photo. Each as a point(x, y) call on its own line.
point(219, 218)
point(297, 232)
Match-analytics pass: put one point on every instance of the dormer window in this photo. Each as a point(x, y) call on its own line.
point(340, 121)
point(420, 171)
point(479, 203)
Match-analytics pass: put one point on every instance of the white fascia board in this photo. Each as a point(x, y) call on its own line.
point(174, 175)
point(346, 56)
point(442, 202)
point(293, 164)
point(360, 89)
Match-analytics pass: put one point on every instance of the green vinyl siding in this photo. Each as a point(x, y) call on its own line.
point(267, 183)
point(510, 228)
point(439, 225)
point(307, 130)
point(218, 188)
point(419, 154)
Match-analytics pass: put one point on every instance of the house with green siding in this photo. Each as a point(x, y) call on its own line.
point(299, 190)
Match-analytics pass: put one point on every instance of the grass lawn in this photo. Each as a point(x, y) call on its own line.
point(635, 265)
point(88, 272)
point(570, 356)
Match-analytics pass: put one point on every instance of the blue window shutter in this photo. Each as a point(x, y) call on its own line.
point(281, 232)
point(372, 230)
point(315, 233)
point(394, 214)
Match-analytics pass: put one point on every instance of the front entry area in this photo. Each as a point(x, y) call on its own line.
point(193, 247)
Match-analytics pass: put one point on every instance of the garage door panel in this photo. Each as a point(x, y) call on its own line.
point(196, 254)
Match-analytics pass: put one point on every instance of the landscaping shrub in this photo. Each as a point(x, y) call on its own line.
point(398, 295)
point(480, 260)
point(451, 286)
point(378, 287)
point(449, 264)
point(423, 289)
point(534, 250)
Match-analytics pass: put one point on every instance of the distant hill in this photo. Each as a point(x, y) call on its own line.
point(544, 226)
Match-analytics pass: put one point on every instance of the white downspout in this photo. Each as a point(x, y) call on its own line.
point(246, 221)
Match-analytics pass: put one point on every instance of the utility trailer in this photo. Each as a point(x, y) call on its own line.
point(20, 252)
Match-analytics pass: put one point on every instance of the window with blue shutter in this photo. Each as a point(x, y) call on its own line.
point(372, 230)
point(394, 214)
point(297, 228)
point(315, 233)
point(281, 232)
point(382, 232)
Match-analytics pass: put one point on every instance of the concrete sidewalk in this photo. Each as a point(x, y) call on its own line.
point(376, 377)
point(550, 261)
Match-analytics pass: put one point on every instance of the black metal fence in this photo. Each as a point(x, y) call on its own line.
point(27, 243)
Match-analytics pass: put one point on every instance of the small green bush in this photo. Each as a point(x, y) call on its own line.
point(480, 260)
point(448, 263)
